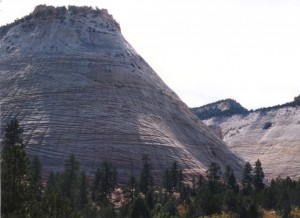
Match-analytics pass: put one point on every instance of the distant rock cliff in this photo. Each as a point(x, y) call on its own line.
point(269, 134)
point(77, 86)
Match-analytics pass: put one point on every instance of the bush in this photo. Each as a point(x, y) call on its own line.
point(267, 125)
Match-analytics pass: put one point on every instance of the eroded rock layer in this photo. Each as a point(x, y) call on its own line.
point(272, 136)
point(77, 86)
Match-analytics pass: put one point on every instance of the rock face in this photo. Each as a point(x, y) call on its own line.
point(77, 86)
point(271, 135)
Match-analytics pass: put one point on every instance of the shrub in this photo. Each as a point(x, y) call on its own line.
point(267, 125)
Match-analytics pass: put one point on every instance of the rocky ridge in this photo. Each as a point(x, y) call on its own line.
point(269, 134)
point(77, 86)
point(225, 107)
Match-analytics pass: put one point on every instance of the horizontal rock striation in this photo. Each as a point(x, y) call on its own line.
point(77, 86)
point(273, 136)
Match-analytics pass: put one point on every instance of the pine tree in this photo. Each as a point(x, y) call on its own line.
point(146, 179)
point(172, 178)
point(96, 186)
point(139, 208)
point(176, 176)
point(52, 182)
point(69, 185)
point(258, 176)
point(213, 174)
point(105, 181)
point(230, 179)
point(167, 183)
point(14, 170)
point(36, 185)
point(83, 190)
point(132, 186)
point(201, 182)
point(247, 179)
point(34, 203)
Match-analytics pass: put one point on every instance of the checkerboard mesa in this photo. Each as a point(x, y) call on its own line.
point(77, 86)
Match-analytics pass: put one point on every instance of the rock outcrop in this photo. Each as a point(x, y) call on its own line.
point(269, 134)
point(77, 86)
point(227, 107)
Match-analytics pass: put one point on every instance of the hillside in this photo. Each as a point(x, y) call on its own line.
point(269, 134)
point(77, 86)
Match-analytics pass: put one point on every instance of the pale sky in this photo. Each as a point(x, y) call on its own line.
point(207, 50)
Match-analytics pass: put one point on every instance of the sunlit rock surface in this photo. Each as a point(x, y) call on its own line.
point(272, 136)
point(77, 86)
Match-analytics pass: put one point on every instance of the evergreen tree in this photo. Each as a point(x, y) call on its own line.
point(258, 176)
point(105, 181)
point(83, 190)
point(34, 203)
point(53, 182)
point(146, 179)
point(247, 179)
point(213, 174)
point(96, 186)
point(172, 179)
point(201, 182)
point(284, 204)
point(55, 204)
point(176, 176)
point(14, 170)
point(230, 179)
point(69, 185)
point(36, 185)
point(139, 209)
point(132, 186)
point(150, 199)
point(167, 183)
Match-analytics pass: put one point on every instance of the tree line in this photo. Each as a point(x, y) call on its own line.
point(71, 193)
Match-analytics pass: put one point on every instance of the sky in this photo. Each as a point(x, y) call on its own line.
point(207, 50)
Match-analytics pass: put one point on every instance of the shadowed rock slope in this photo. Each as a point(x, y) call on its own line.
point(269, 134)
point(77, 86)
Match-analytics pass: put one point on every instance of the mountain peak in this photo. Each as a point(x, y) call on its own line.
point(226, 107)
point(52, 30)
point(78, 87)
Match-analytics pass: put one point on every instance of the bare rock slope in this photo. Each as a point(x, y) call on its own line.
point(269, 134)
point(77, 86)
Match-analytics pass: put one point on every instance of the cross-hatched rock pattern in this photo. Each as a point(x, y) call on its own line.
point(77, 86)
point(272, 136)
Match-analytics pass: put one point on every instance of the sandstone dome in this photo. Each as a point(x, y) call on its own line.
point(77, 86)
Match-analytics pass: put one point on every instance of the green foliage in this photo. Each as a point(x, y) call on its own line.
point(146, 179)
point(247, 179)
point(139, 209)
point(14, 171)
point(212, 110)
point(69, 180)
point(258, 176)
point(83, 190)
point(267, 125)
point(132, 188)
point(297, 100)
point(230, 179)
point(172, 179)
point(105, 181)
point(67, 194)
point(213, 174)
